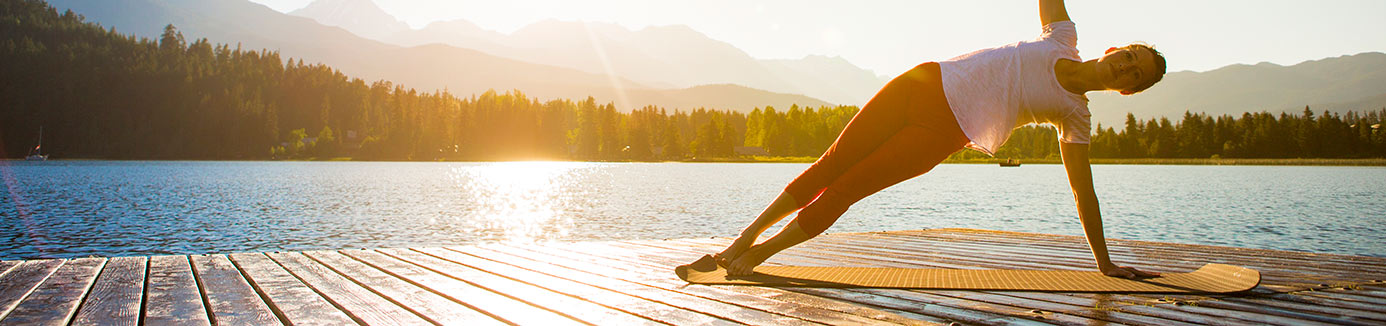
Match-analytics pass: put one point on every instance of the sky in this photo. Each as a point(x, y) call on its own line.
point(890, 36)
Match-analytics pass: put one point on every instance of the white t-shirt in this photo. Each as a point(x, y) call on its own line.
point(993, 91)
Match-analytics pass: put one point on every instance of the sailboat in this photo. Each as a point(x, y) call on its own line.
point(36, 154)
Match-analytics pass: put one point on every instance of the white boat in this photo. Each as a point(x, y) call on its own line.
point(36, 154)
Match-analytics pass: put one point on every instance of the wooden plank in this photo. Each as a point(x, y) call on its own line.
point(116, 297)
point(424, 272)
point(1327, 308)
point(883, 295)
point(7, 265)
point(487, 265)
point(476, 266)
point(413, 270)
point(23, 279)
point(1367, 292)
point(830, 258)
point(358, 302)
point(1274, 312)
point(229, 298)
point(1086, 311)
point(172, 294)
point(1269, 316)
point(658, 262)
point(1320, 306)
point(623, 283)
point(948, 309)
point(431, 306)
point(1251, 316)
point(1354, 298)
point(834, 260)
point(293, 301)
point(657, 276)
point(54, 301)
point(552, 307)
point(655, 264)
point(1079, 262)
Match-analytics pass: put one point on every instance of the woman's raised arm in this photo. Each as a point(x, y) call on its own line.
point(1052, 11)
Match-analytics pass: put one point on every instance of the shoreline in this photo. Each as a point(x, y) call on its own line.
point(809, 159)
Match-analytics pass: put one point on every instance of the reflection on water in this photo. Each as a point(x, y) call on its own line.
point(516, 201)
point(79, 208)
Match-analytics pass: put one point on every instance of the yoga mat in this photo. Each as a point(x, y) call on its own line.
point(1211, 278)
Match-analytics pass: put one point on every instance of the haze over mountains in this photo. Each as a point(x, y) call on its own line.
point(426, 68)
point(673, 56)
point(670, 66)
point(362, 18)
point(1350, 82)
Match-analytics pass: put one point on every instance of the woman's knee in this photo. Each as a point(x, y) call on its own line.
point(823, 211)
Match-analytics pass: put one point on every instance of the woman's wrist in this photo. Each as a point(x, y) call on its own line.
point(1104, 265)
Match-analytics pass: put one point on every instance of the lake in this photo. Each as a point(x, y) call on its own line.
point(64, 209)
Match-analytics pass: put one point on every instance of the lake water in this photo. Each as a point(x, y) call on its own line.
point(79, 208)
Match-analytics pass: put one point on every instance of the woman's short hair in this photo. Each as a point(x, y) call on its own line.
point(1159, 63)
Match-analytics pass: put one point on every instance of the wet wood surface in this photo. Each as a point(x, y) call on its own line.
point(632, 283)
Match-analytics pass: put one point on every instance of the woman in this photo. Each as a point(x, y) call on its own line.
point(935, 109)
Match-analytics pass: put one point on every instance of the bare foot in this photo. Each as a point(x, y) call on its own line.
point(733, 251)
point(747, 262)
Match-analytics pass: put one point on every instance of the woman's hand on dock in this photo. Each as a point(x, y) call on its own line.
point(1125, 271)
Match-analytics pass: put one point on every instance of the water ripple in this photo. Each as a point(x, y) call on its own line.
point(80, 208)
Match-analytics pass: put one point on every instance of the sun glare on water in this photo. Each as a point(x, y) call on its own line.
point(517, 201)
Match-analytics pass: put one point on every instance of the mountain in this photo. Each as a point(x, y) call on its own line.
point(678, 56)
point(427, 67)
point(361, 17)
point(662, 56)
point(828, 77)
point(1350, 82)
point(672, 56)
point(660, 65)
point(455, 33)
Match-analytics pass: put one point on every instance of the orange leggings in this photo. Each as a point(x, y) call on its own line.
point(903, 132)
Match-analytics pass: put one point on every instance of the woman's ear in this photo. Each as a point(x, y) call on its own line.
point(1110, 50)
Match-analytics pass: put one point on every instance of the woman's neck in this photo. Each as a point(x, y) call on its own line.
point(1077, 77)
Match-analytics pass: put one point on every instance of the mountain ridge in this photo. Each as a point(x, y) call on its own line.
point(426, 68)
point(361, 17)
point(1348, 82)
point(1334, 84)
point(672, 56)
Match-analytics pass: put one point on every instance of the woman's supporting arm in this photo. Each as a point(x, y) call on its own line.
point(1052, 11)
point(1079, 170)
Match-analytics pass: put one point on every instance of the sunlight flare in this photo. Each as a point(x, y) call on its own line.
point(517, 201)
point(622, 99)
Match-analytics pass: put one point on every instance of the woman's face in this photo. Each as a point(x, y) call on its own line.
point(1126, 68)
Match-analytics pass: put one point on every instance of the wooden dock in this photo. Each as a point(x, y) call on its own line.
point(631, 283)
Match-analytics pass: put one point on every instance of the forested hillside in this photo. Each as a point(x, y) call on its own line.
point(100, 94)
